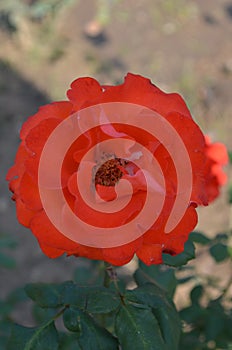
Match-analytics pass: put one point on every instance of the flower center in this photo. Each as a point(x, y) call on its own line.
point(110, 172)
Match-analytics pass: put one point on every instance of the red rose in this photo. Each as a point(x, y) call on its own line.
point(176, 152)
point(216, 158)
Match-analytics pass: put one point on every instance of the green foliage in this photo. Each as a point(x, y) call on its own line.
point(163, 310)
point(93, 299)
point(162, 276)
point(230, 251)
point(12, 11)
point(230, 194)
point(208, 321)
point(68, 341)
point(46, 295)
point(6, 243)
point(37, 338)
point(6, 261)
point(90, 272)
point(147, 319)
point(230, 156)
point(99, 312)
point(89, 334)
point(144, 316)
point(219, 252)
point(199, 237)
point(7, 306)
point(41, 8)
point(42, 315)
point(219, 248)
point(196, 294)
point(182, 258)
point(210, 324)
point(136, 324)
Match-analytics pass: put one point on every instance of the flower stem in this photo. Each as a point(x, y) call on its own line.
point(110, 276)
point(107, 276)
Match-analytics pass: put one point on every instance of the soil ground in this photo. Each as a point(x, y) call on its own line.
point(182, 46)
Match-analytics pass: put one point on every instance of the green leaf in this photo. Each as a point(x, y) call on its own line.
point(72, 320)
point(17, 295)
point(6, 261)
point(230, 251)
point(186, 279)
point(92, 299)
point(72, 294)
point(222, 237)
point(42, 315)
point(89, 272)
point(44, 337)
point(230, 156)
point(3, 342)
point(89, 334)
point(45, 295)
point(217, 322)
point(7, 242)
point(5, 329)
point(230, 194)
point(163, 276)
point(68, 341)
point(194, 314)
point(83, 275)
point(214, 326)
point(196, 294)
point(138, 329)
point(191, 341)
point(182, 258)
point(199, 237)
point(219, 252)
point(101, 300)
point(5, 308)
point(162, 308)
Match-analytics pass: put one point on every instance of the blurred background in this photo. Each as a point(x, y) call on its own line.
point(182, 46)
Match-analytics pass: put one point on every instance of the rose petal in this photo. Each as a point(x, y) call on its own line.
point(150, 254)
point(139, 90)
point(58, 110)
point(83, 90)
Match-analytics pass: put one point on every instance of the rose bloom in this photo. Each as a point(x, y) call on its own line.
point(85, 92)
point(216, 158)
